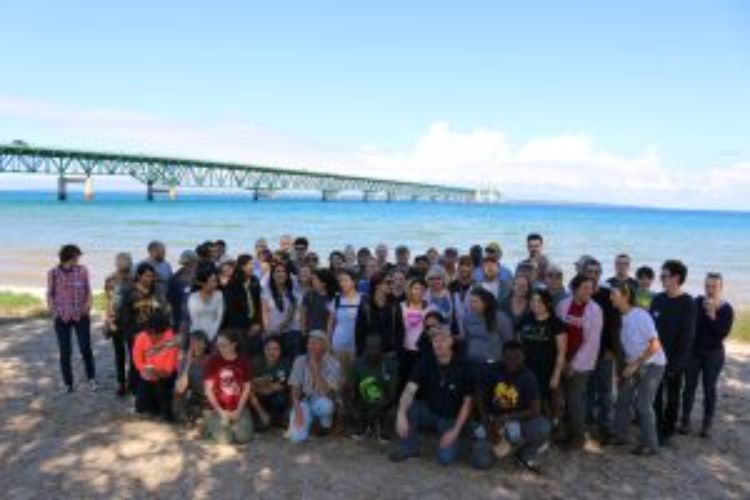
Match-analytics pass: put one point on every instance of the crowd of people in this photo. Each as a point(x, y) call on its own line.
point(496, 360)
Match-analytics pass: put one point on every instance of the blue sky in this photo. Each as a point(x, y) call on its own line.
point(665, 83)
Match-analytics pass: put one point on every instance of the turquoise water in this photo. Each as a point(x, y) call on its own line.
point(36, 224)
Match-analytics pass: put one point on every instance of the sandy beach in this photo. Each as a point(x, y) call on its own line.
point(88, 445)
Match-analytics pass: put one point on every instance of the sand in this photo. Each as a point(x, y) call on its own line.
point(88, 445)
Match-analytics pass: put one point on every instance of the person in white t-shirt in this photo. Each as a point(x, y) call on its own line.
point(640, 379)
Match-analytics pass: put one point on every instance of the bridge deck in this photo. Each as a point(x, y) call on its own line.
point(173, 172)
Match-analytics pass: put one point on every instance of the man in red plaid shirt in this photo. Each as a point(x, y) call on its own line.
point(69, 302)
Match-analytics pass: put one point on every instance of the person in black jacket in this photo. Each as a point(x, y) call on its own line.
point(674, 314)
point(380, 315)
point(243, 309)
point(713, 322)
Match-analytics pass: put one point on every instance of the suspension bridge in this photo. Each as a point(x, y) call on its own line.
point(165, 174)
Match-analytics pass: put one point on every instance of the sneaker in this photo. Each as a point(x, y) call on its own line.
point(643, 451)
point(684, 429)
point(122, 391)
point(400, 454)
point(665, 439)
point(93, 386)
point(705, 432)
point(68, 389)
point(529, 461)
point(360, 433)
point(380, 436)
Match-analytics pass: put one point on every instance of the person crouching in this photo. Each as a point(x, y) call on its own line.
point(155, 356)
point(315, 381)
point(227, 378)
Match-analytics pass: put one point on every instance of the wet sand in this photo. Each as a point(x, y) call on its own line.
point(87, 445)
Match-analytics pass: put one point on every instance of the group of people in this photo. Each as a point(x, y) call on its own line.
point(497, 360)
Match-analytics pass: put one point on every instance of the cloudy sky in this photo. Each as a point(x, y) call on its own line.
point(642, 103)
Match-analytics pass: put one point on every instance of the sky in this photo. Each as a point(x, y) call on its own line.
point(638, 102)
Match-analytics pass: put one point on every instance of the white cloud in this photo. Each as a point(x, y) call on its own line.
point(564, 167)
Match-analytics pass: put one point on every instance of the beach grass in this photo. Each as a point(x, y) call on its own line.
point(27, 305)
point(21, 305)
point(741, 328)
point(98, 302)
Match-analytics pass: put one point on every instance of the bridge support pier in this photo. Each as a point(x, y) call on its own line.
point(62, 186)
point(152, 190)
point(62, 189)
point(328, 194)
point(369, 195)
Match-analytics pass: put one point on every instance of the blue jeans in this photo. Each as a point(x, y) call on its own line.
point(707, 366)
point(316, 407)
point(642, 388)
point(64, 330)
point(421, 417)
point(533, 434)
point(600, 395)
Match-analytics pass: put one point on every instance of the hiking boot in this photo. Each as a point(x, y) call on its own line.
point(400, 454)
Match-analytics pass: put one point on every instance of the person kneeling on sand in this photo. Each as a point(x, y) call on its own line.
point(446, 403)
point(227, 386)
point(270, 383)
point(511, 412)
point(156, 358)
point(315, 382)
point(189, 395)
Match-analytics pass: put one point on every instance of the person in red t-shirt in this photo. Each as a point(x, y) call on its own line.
point(155, 357)
point(227, 376)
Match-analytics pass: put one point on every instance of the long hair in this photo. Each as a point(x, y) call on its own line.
point(329, 281)
point(490, 306)
point(276, 294)
point(238, 276)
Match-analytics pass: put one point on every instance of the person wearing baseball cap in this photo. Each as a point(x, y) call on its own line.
point(179, 287)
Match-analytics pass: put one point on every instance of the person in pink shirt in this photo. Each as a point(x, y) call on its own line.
point(156, 358)
point(583, 321)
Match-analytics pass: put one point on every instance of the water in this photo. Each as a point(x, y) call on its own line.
point(36, 224)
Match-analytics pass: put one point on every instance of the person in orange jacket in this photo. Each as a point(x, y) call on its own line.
point(156, 357)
